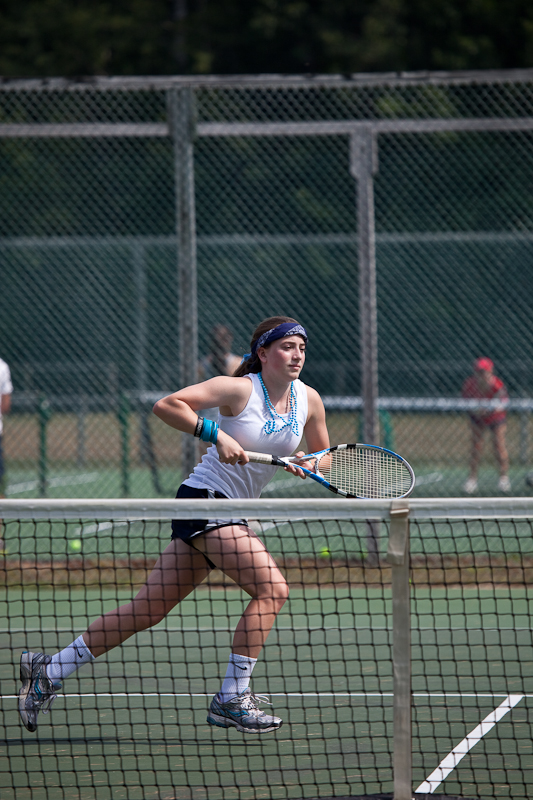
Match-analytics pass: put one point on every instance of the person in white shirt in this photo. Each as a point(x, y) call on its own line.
point(6, 389)
point(263, 407)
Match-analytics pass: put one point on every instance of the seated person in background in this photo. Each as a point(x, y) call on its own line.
point(484, 385)
point(220, 360)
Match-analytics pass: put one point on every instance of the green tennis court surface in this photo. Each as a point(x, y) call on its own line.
point(433, 480)
point(133, 724)
point(142, 541)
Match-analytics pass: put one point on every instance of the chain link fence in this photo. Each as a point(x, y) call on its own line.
point(106, 218)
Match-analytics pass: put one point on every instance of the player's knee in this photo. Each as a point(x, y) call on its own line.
point(280, 591)
point(275, 591)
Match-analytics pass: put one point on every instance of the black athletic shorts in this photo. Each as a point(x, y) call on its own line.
point(479, 423)
point(187, 529)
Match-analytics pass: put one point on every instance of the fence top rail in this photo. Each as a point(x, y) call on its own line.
point(267, 509)
point(430, 404)
point(376, 126)
point(162, 82)
point(258, 239)
point(138, 243)
point(30, 401)
point(261, 129)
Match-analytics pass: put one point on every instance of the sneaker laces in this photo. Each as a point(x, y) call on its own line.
point(44, 703)
point(251, 701)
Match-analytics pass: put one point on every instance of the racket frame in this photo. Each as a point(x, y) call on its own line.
point(277, 461)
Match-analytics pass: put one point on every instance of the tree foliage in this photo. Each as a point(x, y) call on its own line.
point(42, 38)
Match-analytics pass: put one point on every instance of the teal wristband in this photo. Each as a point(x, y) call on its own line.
point(209, 431)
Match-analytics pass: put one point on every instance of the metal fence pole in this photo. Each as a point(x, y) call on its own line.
point(139, 271)
point(82, 431)
point(363, 167)
point(524, 437)
point(398, 557)
point(45, 412)
point(182, 127)
point(123, 413)
point(139, 337)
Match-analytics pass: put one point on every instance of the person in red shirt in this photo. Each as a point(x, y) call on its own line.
point(484, 385)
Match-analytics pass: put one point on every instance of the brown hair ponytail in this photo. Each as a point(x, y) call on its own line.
point(253, 364)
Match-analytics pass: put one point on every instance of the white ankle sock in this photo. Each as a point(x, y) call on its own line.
point(238, 676)
point(68, 660)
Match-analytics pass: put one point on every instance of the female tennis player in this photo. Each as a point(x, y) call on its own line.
point(264, 407)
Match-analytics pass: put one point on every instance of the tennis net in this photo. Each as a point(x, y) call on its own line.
point(392, 675)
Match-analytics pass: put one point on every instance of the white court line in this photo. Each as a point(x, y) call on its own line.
point(431, 477)
point(108, 695)
point(449, 763)
point(281, 484)
point(225, 629)
point(467, 694)
point(67, 480)
point(230, 628)
point(86, 530)
point(443, 695)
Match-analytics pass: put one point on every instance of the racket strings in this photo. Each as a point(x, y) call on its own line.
point(366, 473)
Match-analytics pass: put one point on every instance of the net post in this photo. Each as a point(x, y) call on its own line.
point(398, 558)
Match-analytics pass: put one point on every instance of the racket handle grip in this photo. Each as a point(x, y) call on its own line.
point(261, 458)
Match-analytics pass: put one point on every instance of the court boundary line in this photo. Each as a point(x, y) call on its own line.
point(204, 629)
point(429, 695)
point(59, 480)
point(450, 762)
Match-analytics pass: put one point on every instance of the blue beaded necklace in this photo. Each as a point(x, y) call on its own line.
point(292, 421)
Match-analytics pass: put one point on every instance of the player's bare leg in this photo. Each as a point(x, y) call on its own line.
point(502, 456)
point(177, 572)
point(476, 450)
point(241, 555)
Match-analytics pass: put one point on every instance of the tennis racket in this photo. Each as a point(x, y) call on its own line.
point(364, 471)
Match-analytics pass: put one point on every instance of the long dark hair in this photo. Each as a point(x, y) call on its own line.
point(253, 364)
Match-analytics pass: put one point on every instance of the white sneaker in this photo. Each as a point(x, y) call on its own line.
point(504, 484)
point(470, 486)
point(38, 692)
point(243, 713)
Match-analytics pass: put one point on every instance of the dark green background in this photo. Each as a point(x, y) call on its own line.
point(453, 223)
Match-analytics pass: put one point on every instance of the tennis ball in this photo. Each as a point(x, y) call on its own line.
point(75, 545)
point(324, 552)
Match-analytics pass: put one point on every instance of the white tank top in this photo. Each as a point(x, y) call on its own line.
point(249, 480)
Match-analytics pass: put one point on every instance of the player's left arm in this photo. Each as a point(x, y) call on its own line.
point(500, 390)
point(500, 393)
point(315, 430)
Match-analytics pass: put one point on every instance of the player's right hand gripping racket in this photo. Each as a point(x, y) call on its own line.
point(353, 470)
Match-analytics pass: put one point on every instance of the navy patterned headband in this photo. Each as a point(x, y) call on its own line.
point(279, 332)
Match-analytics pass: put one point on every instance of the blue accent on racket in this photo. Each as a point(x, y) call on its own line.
point(363, 471)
